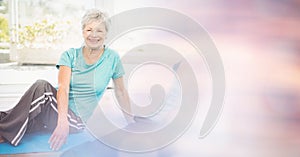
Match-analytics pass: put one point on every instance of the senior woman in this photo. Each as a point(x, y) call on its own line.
point(83, 76)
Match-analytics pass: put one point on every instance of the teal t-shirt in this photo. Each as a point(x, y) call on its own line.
point(88, 82)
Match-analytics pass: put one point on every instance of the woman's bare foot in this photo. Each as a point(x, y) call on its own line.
point(2, 139)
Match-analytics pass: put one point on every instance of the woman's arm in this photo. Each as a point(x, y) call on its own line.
point(61, 132)
point(123, 99)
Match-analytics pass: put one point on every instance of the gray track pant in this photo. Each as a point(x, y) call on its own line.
point(36, 111)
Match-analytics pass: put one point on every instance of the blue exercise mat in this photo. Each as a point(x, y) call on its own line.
point(38, 142)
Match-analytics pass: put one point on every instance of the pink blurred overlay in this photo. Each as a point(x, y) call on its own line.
point(258, 42)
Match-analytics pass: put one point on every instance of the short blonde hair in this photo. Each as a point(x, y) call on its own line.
point(95, 15)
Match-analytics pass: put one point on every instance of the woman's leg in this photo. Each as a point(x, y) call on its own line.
point(36, 111)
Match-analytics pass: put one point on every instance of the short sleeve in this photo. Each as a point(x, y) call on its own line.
point(118, 70)
point(65, 59)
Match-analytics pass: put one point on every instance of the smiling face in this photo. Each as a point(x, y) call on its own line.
point(94, 34)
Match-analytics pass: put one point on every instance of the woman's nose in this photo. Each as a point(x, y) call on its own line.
point(94, 34)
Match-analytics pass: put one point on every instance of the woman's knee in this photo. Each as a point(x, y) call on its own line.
point(41, 82)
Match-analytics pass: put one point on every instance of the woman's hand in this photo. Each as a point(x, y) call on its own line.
point(59, 135)
point(129, 118)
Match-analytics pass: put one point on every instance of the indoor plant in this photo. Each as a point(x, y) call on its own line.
point(40, 42)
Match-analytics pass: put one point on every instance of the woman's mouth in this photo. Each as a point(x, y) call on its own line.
point(94, 40)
